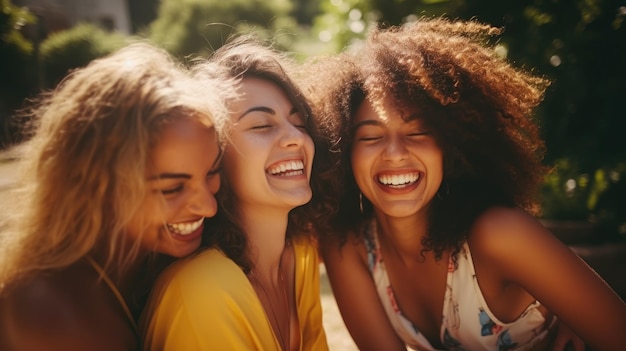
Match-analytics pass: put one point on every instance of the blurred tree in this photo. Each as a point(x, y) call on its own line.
point(344, 22)
point(186, 27)
point(142, 13)
point(66, 50)
point(305, 10)
point(581, 46)
point(18, 77)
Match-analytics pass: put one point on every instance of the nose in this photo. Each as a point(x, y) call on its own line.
point(395, 149)
point(292, 135)
point(203, 202)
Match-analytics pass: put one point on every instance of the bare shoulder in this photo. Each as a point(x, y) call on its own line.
point(353, 249)
point(502, 227)
point(516, 244)
point(67, 310)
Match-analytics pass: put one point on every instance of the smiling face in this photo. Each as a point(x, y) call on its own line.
point(182, 181)
point(269, 156)
point(396, 163)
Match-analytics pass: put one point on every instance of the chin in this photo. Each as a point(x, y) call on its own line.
point(183, 252)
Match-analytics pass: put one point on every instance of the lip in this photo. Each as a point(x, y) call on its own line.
point(196, 234)
point(288, 168)
point(399, 189)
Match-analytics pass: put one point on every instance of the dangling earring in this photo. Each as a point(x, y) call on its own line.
point(361, 202)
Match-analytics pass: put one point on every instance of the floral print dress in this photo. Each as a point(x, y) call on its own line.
point(467, 323)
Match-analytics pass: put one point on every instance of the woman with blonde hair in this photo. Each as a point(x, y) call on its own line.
point(120, 172)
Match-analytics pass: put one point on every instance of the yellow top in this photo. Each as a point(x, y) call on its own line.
point(206, 302)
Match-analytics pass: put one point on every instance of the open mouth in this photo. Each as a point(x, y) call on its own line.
point(398, 181)
point(288, 168)
point(184, 228)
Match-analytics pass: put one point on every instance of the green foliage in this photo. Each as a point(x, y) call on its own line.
point(15, 51)
point(64, 51)
point(12, 20)
point(17, 78)
point(186, 27)
point(580, 45)
point(597, 196)
point(345, 22)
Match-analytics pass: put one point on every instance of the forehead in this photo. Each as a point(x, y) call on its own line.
point(255, 90)
point(181, 140)
point(385, 111)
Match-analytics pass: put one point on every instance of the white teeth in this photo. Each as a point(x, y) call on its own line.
point(185, 228)
point(288, 168)
point(398, 180)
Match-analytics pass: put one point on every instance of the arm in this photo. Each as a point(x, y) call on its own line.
point(357, 298)
point(528, 255)
point(205, 303)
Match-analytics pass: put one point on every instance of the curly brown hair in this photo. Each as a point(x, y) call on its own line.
point(476, 104)
point(247, 56)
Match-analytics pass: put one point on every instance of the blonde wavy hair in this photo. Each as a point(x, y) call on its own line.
point(84, 166)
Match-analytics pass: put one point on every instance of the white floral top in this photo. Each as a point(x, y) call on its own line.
point(467, 324)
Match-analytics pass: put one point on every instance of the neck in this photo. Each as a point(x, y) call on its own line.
point(273, 287)
point(402, 236)
point(266, 232)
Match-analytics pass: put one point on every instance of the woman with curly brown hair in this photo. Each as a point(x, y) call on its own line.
point(120, 173)
point(257, 286)
point(436, 245)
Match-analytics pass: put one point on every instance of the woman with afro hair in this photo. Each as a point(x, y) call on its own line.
point(436, 246)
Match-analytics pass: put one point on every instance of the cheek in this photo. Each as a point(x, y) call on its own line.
point(359, 160)
point(152, 214)
point(436, 159)
point(309, 149)
point(214, 184)
point(360, 167)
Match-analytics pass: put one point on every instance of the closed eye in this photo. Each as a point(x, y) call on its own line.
point(370, 138)
point(174, 190)
point(418, 133)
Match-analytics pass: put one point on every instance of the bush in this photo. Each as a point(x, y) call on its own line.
point(64, 51)
point(597, 196)
point(186, 27)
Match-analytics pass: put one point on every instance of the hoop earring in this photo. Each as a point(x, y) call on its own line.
point(361, 202)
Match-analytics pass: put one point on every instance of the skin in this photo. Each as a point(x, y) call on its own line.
point(516, 259)
point(73, 309)
point(268, 133)
point(183, 181)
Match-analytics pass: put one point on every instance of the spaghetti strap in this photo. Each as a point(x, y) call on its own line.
point(115, 291)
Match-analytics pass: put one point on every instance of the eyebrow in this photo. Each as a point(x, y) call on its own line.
point(264, 109)
point(166, 175)
point(367, 122)
point(169, 176)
